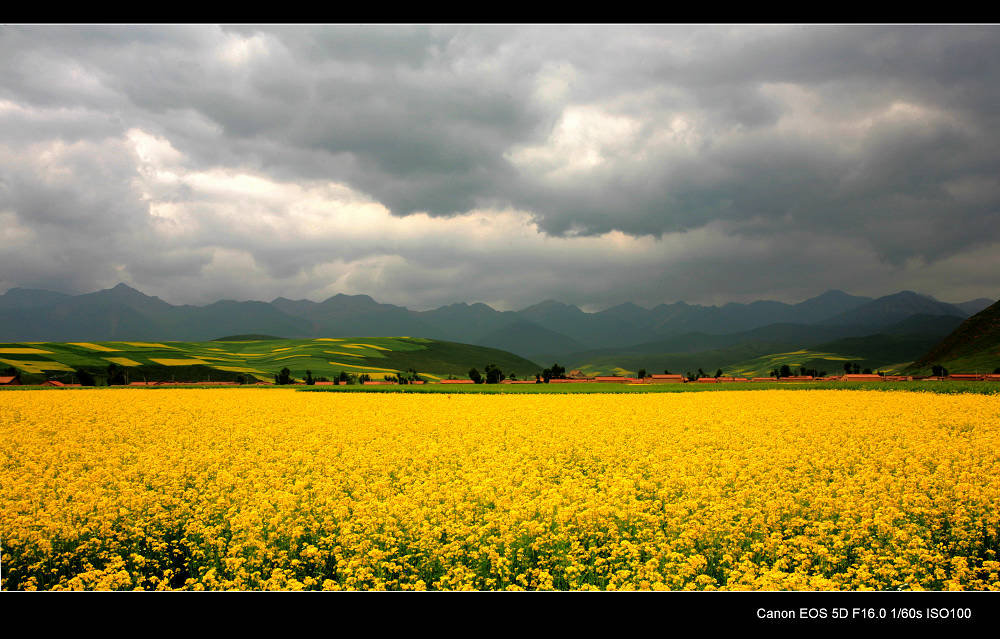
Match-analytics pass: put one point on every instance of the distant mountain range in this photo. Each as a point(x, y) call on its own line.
point(542, 332)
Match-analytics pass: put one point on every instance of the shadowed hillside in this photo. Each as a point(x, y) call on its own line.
point(973, 347)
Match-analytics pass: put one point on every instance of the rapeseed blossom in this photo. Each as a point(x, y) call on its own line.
point(274, 489)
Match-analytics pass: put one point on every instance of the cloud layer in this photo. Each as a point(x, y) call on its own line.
point(428, 165)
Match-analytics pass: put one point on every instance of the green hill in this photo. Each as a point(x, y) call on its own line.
point(228, 359)
point(972, 347)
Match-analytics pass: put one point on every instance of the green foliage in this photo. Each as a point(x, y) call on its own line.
point(115, 375)
point(284, 377)
point(493, 374)
point(475, 376)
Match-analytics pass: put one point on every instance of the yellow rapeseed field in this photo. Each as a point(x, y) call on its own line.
point(274, 489)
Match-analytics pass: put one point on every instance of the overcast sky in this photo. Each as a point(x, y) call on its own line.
point(427, 165)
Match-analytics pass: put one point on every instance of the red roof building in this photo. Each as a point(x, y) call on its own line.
point(9, 381)
point(861, 378)
point(666, 379)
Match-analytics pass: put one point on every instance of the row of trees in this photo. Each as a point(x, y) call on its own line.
point(493, 375)
point(787, 371)
point(285, 377)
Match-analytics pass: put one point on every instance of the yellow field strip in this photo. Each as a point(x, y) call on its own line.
point(123, 361)
point(23, 351)
point(179, 362)
point(366, 368)
point(94, 347)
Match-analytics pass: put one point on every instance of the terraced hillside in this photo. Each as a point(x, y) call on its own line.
point(261, 359)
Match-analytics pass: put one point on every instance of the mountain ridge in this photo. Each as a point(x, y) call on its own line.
point(549, 329)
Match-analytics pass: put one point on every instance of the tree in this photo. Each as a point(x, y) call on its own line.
point(786, 371)
point(309, 378)
point(475, 376)
point(867, 371)
point(996, 371)
point(641, 374)
point(666, 372)
point(86, 379)
point(847, 368)
point(115, 375)
point(284, 377)
point(493, 374)
point(690, 376)
point(701, 374)
point(718, 373)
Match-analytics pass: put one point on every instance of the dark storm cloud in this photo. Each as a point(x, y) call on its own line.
point(879, 141)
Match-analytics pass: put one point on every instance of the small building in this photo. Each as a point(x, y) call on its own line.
point(852, 377)
point(611, 379)
point(9, 381)
point(707, 380)
point(799, 378)
point(456, 381)
point(764, 379)
point(965, 378)
point(666, 379)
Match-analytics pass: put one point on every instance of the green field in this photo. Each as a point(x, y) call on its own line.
point(946, 387)
point(256, 359)
point(832, 363)
point(739, 361)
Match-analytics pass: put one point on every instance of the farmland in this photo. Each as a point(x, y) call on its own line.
point(277, 489)
point(256, 359)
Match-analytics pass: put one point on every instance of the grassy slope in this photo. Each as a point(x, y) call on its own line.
point(223, 360)
point(709, 360)
point(758, 359)
point(973, 347)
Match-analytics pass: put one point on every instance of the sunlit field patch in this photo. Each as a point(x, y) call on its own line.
point(123, 361)
point(274, 489)
point(36, 366)
point(364, 367)
point(150, 345)
point(23, 351)
point(189, 361)
point(238, 369)
point(94, 347)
